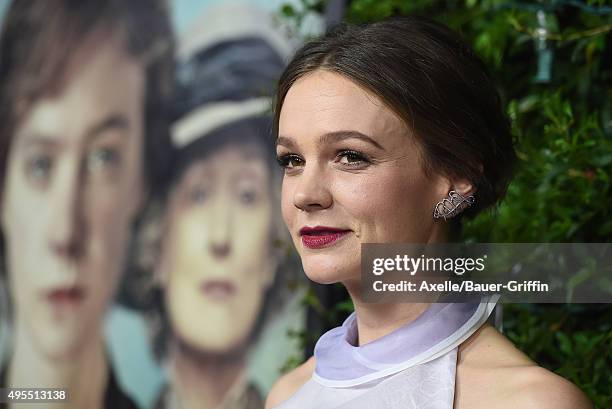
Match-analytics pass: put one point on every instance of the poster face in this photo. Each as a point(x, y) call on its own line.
point(145, 263)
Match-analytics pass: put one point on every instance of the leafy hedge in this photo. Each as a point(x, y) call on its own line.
point(553, 63)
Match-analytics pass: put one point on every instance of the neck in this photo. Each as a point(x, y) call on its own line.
point(375, 320)
point(83, 373)
point(202, 380)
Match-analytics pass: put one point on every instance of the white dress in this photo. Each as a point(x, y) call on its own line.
point(411, 368)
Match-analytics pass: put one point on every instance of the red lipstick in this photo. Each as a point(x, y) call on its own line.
point(321, 236)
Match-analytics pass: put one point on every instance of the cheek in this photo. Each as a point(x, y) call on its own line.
point(23, 208)
point(389, 206)
point(252, 226)
point(24, 227)
point(25, 216)
point(288, 209)
point(184, 255)
point(108, 222)
point(252, 240)
point(185, 247)
point(108, 226)
point(411, 219)
point(106, 255)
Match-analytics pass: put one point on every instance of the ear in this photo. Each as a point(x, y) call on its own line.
point(463, 186)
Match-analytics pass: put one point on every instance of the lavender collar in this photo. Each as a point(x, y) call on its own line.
point(439, 330)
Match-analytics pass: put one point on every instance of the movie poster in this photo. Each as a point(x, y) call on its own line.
point(144, 260)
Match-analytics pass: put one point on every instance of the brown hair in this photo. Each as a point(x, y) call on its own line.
point(434, 81)
point(39, 38)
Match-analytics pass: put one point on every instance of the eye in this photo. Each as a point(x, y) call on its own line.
point(38, 168)
point(247, 197)
point(352, 158)
point(198, 195)
point(103, 158)
point(290, 161)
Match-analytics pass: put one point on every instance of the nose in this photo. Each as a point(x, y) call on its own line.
point(220, 250)
point(66, 227)
point(312, 192)
point(220, 226)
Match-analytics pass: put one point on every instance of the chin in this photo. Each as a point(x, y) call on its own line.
point(329, 269)
point(215, 343)
point(58, 345)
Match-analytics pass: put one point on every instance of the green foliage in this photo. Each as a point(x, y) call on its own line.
point(552, 61)
point(573, 340)
point(562, 188)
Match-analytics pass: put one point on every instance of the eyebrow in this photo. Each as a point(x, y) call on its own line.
point(332, 137)
point(113, 121)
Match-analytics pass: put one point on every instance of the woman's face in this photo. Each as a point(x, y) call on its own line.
point(353, 175)
point(72, 189)
point(217, 258)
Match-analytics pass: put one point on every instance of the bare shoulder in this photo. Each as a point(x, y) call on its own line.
point(493, 373)
point(542, 389)
point(289, 383)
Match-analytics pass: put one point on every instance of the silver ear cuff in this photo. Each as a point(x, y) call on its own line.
point(452, 205)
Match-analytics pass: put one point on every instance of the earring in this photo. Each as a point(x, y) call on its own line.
point(452, 205)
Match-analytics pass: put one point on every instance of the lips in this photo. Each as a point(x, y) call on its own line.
point(321, 236)
point(66, 296)
point(218, 290)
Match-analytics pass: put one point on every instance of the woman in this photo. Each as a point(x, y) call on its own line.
point(79, 155)
point(377, 125)
point(218, 262)
point(218, 265)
